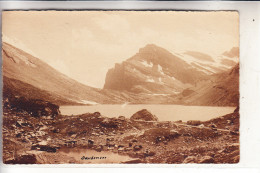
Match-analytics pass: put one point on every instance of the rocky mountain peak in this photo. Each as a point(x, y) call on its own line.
point(152, 52)
point(152, 70)
point(149, 47)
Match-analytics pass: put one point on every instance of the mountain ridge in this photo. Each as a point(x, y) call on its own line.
point(155, 70)
point(221, 90)
point(151, 76)
point(21, 66)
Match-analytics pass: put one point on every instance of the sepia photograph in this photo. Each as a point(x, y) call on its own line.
point(120, 87)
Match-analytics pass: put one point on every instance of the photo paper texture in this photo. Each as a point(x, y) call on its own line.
point(128, 87)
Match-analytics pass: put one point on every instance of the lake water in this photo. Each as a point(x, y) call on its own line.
point(163, 112)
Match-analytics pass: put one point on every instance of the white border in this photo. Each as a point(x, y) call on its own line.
point(249, 76)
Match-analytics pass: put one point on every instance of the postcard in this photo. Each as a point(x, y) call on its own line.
point(120, 87)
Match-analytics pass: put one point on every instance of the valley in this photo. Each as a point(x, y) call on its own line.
point(36, 132)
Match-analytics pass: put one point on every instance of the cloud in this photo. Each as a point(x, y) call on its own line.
point(111, 22)
point(85, 44)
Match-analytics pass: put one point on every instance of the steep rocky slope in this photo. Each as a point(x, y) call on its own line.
point(156, 71)
point(221, 90)
point(152, 76)
point(153, 70)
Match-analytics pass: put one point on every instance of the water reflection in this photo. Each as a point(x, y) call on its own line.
point(163, 112)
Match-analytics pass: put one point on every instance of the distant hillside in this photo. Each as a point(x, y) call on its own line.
point(233, 53)
point(191, 78)
point(221, 90)
point(13, 87)
point(21, 67)
point(152, 76)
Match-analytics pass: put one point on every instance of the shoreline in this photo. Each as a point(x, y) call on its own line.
point(147, 142)
point(163, 112)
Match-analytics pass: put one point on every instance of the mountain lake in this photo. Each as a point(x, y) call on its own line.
point(163, 112)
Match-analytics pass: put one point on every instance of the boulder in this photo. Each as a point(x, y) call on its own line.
point(128, 149)
point(143, 115)
point(48, 148)
point(99, 148)
point(158, 135)
point(120, 146)
point(159, 139)
point(194, 122)
point(90, 142)
point(121, 118)
point(137, 147)
point(212, 125)
point(73, 136)
point(23, 159)
point(149, 153)
point(174, 133)
point(97, 114)
point(201, 126)
point(134, 140)
point(56, 130)
point(190, 159)
point(234, 133)
point(70, 143)
point(206, 159)
point(18, 135)
point(134, 161)
point(120, 149)
point(109, 123)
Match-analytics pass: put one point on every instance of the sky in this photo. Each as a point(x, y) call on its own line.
point(85, 44)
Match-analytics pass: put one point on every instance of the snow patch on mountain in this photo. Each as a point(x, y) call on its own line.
point(149, 79)
point(160, 80)
point(87, 102)
point(146, 64)
point(172, 77)
point(160, 70)
point(159, 94)
point(205, 66)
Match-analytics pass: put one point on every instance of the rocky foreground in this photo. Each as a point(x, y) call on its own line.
point(37, 140)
